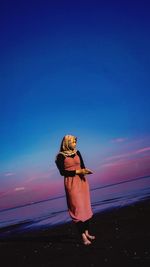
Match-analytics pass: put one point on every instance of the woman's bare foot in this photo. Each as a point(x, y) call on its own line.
point(91, 237)
point(85, 240)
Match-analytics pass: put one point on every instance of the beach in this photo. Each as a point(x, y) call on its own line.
point(122, 239)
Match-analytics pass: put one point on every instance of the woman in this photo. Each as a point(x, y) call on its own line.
point(70, 164)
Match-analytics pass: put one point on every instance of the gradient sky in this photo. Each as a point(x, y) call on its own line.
point(72, 67)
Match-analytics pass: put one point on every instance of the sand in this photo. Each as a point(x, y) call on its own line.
point(122, 239)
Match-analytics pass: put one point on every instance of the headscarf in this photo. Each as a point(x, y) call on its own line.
point(64, 148)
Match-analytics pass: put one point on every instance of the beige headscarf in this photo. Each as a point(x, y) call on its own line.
point(64, 148)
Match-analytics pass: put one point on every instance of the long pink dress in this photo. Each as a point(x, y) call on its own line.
point(77, 192)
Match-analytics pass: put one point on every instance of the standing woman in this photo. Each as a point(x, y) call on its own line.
point(70, 164)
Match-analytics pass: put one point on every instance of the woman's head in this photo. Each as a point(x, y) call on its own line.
point(68, 143)
point(68, 146)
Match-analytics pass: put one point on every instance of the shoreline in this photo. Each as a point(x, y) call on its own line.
point(122, 238)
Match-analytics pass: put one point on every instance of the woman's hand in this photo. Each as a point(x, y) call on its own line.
point(88, 171)
point(84, 171)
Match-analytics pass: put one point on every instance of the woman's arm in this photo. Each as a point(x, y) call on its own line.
point(60, 165)
point(81, 160)
point(83, 170)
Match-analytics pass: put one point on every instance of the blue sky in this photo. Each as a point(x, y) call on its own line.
point(72, 67)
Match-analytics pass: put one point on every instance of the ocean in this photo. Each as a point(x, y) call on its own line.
point(50, 212)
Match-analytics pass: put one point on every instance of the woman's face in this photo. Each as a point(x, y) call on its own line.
point(72, 143)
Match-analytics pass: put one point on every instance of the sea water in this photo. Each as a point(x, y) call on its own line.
point(50, 212)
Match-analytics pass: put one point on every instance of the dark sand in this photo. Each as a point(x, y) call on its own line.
point(122, 239)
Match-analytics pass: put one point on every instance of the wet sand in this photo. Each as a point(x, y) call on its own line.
point(122, 239)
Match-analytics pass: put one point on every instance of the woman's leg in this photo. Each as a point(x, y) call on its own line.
point(83, 228)
point(91, 237)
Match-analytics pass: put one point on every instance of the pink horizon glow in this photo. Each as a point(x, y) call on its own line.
point(26, 195)
point(30, 186)
point(122, 170)
point(129, 154)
